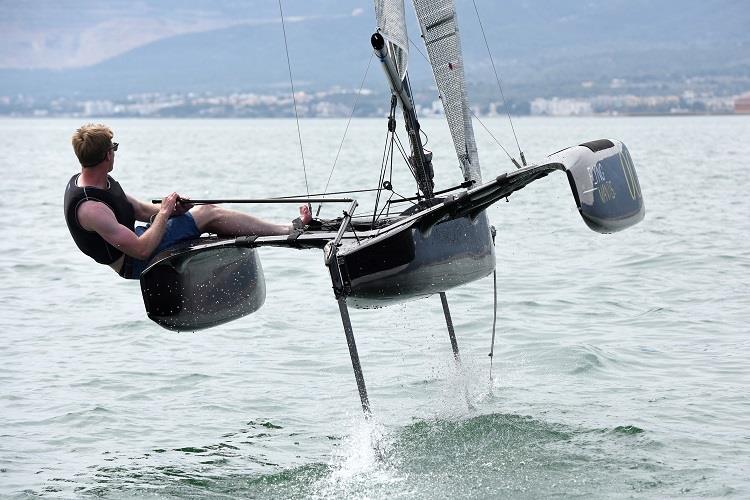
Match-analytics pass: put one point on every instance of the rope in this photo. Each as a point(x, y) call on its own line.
point(494, 321)
point(294, 100)
point(497, 79)
point(351, 115)
point(387, 205)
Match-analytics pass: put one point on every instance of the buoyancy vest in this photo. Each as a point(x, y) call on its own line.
point(89, 242)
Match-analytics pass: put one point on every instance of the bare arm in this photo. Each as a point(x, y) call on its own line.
point(143, 211)
point(95, 216)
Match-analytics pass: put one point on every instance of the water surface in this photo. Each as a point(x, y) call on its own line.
point(621, 365)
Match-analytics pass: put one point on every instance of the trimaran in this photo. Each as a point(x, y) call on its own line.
point(441, 241)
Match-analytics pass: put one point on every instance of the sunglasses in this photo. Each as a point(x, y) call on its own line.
point(114, 147)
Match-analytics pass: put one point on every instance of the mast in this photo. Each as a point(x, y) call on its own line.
point(391, 44)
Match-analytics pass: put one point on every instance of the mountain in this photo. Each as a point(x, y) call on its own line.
point(539, 45)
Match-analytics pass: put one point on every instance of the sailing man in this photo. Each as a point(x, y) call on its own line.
point(101, 217)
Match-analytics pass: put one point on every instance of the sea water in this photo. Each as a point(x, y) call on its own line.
point(620, 366)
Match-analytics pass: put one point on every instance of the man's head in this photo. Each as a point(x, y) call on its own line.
point(92, 144)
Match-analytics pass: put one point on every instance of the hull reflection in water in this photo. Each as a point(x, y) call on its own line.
point(197, 285)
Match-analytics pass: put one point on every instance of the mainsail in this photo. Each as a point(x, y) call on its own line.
point(437, 20)
point(392, 25)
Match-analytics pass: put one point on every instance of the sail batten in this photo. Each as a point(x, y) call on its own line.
point(437, 20)
point(437, 23)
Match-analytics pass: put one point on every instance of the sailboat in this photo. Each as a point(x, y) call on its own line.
point(442, 241)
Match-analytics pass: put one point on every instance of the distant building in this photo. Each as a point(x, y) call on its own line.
point(560, 107)
point(742, 104)
point(97, 108)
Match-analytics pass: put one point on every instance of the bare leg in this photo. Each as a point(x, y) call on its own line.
point(225, 222)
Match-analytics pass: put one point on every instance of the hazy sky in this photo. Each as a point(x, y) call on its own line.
point(65, 33)
point(136, 46)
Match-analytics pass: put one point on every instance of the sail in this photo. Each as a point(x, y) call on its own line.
point(437, 20)
point(392, 25)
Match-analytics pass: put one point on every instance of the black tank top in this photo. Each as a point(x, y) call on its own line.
point(89, 242)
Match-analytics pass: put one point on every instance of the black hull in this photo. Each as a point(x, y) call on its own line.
point(198, 285)
point(408, 263)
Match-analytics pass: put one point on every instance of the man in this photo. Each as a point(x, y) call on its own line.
point(101, 217)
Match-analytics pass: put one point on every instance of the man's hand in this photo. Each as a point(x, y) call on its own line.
point(168, 204)
point(183, 205)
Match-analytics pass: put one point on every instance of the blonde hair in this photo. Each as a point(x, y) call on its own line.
point(91, 143)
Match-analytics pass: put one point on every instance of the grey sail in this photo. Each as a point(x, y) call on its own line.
point(392, 25)
point(437, 20)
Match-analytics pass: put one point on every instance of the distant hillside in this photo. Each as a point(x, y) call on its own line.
point(543, 44)
point(236, 58)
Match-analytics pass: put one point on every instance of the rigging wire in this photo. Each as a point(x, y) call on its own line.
point(390, 178)
point(349, 121)
point(294, 100)
point(404, 155)
point(494, 321)
point(387, 152)
point(350, 191)
point(387, 206)
point(416, 47)
point(495, 138)
point(497, 79)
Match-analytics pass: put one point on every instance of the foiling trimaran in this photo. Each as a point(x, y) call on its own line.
point(443, 240)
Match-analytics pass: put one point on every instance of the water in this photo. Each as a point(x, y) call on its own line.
point(621, 366)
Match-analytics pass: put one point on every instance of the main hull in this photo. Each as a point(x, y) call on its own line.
point(408, 263)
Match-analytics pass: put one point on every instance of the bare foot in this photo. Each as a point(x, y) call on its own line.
point(304, 214)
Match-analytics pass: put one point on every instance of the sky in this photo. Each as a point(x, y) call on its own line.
point(138, 45)
point(68, 34)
